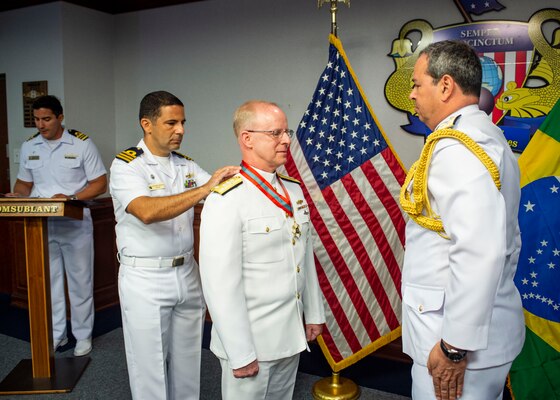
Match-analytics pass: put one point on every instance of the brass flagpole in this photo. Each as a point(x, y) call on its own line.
point(334, 9)
point(335, 387)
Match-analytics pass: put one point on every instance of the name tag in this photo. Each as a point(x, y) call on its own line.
point(33, 157)
point(156, 186)
point(71, 156)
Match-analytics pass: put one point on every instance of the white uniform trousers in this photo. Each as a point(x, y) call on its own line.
point(71, 252)
point(275, 381)
point(163, 318)
point(484, 383)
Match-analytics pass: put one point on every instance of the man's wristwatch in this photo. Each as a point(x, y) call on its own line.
point(453, 354)
point(73, 197)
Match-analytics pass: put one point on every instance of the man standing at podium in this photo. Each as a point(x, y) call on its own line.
point(154, 189)
point(62, 163)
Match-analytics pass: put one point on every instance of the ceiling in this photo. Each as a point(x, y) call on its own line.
point(111, 7)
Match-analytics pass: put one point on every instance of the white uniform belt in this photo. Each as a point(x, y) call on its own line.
point(154, 262)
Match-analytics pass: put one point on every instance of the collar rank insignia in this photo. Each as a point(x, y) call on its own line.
point(228, 184)
point(182, 156)
point(78, 134)
point(129, 154)
point(289, 178)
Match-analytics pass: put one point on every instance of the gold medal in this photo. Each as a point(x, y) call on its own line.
point(295, 230)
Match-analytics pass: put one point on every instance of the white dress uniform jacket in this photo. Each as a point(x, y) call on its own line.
point(259, 282)
point(144, 176)
point(66, 167)
point(462, 289)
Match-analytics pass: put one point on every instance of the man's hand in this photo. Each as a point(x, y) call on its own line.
point(21, 189)
point(13, 194)
point(448, 377)
point(312, 331)
point(247, 371)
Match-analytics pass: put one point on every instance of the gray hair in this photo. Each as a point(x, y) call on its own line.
point(458, 60)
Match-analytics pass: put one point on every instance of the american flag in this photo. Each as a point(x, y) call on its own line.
point(351, 179)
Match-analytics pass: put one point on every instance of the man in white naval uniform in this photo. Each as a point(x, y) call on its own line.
point(462, 315)
point(154, 190)
point(62, 163)
point(257, 268)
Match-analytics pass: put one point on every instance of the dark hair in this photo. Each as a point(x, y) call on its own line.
point(150, 106)
point(50, 102)
point(458, 60)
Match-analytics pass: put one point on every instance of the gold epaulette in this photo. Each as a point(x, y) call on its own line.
point(33, 137)
point(129, 154)
point(228, 184)
point(182, 155)
point(289, 178)
point(78, 134)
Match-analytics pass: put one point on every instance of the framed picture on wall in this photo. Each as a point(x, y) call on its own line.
point(32, 90)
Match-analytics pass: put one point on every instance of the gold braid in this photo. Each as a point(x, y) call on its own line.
point(415, 206)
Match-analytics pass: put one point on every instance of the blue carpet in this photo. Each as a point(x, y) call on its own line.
point(373, 372)
point(15, 322)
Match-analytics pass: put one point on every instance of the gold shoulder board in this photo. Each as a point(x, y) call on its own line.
point(182, 155)
point(78, 134)
point(129, 154)
point(449, 123)
point(289, 178)
point(227, 185)
point(33, 137)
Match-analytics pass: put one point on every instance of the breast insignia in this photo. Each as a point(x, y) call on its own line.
point(33, 137)
point(227, 185)
point(129, 154)
point(289, 178)
point(182, 155)
point(78, 134)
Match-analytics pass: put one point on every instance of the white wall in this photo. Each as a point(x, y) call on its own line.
point(89, 83)
point(214, 55)
point(30, 50)
point(71, 47)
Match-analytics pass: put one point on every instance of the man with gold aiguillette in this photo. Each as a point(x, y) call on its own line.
point(462, 320)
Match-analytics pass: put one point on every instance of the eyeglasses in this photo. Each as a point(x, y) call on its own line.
point(276, 133)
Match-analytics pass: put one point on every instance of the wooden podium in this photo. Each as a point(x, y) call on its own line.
point(43, 373)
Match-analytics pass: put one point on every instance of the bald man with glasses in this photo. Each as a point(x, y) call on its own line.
point(257, 267)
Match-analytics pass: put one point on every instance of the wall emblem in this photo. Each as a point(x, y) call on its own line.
point(520, 64)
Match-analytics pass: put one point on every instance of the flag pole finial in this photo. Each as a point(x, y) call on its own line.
point(334, 9)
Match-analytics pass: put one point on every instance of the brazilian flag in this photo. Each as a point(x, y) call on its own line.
point(535, 373)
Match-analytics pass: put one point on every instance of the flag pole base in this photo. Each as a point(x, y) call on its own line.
point(335, 388)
